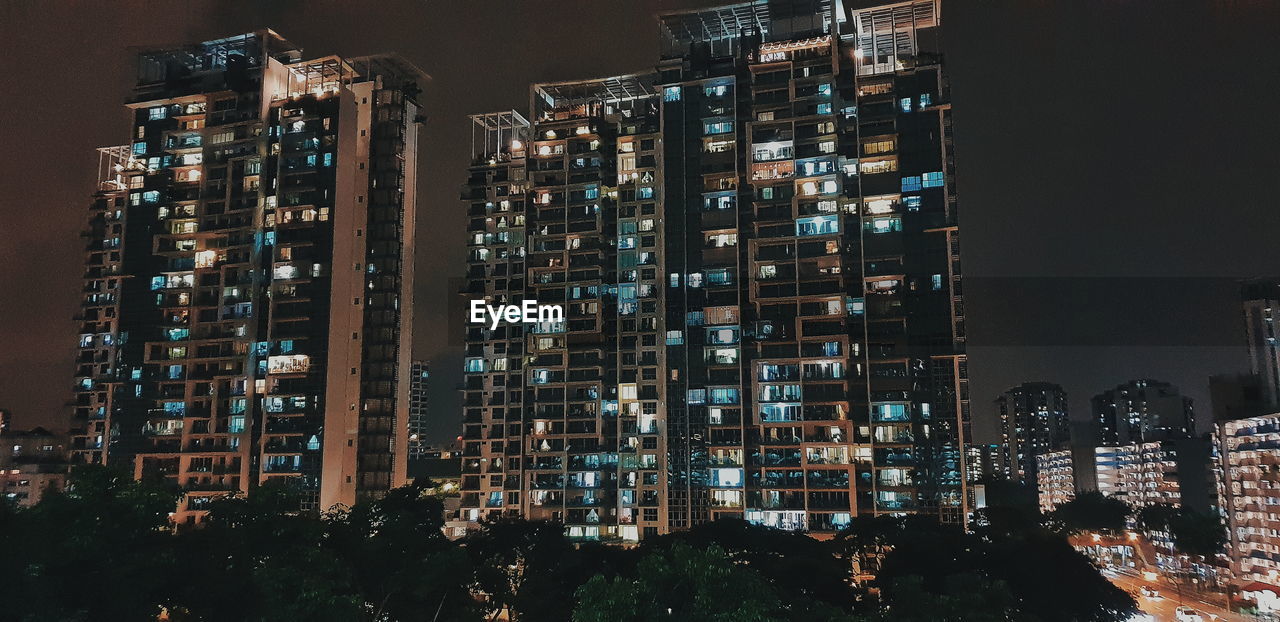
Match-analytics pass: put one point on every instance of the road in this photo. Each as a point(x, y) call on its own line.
point(1162, 608)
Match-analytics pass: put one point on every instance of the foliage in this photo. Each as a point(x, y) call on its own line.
point(681, 582)
point(1156, 517)
point(1197, 534)
point(105, 550)
point(1090, 511)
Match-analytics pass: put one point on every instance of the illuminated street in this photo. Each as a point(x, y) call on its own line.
point(1163, 607)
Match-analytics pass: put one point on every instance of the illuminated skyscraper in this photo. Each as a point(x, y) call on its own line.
point(758, 251)
point(247, 311)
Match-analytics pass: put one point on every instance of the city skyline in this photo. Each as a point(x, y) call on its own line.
point(1168, 351)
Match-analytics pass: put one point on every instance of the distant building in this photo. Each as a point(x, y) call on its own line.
point(31, 462)
point(1055, 478)
point(418, 374)
point(1142, 411)
point(1237, 396)
point(1033, 421)
point(1250, 453)
point(1176, 472)
point(1259, 298)
point(987, 462)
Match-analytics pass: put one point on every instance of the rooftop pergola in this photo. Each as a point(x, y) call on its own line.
point(721, 27)
point(614, 91)
point(497, 133)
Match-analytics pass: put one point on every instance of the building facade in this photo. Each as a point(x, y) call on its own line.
point(1033, 420)
point(419, 373)
point(1055, 478)
point(1142, 411)
point(1175, 472)
point(32, 462)
point(1260, 299)
point(756, 247)
point(1249, 451)
point(247, 309)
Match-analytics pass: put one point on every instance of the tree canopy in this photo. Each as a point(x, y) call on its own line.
point(104, 550)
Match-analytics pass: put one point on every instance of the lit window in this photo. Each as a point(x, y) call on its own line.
point(675, 337)
point(156, 113)
point(905, 104)
point(139, 148)
point(911, 183)
point(671, 94)
point(934, 180)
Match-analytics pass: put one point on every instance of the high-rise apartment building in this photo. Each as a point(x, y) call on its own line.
point(247, 309)
point(1176, 472)
point(1260, 300)
point(1249, 450)
point(757, 250)
point(419, 373)
point(1055, 478)
point(1142, 411)
point(1033, 420)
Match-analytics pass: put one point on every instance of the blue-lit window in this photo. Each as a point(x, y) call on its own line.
point(178, 334)
point(695, 318)
point(905, 104)
point(593, 192)
point(725, 395)
point(540, 376)
point(719, 276)
point(174, 409)
point(824, 89)
point(645, 192)
point(151, 196)
point(723, 201)
point(675, 337)
point(910, 184)
point(912, 203)
point(313, 444)
point(475, 365)
point(883, 225)
point(328, 159)
point(824, 108)
point(139, 148)
point(856, 306)
point(696, 396)
point(720, 127)
point(934, 180)
point(671, 94)
point(156, 113)
point(718, 90)
point(235, 424)
point(818, 225)
point(890, 412)
point(926, 100)
point(722, 335)
point(674, 279)
point(936, 281)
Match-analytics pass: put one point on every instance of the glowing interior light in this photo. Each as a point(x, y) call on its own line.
point(516, 145)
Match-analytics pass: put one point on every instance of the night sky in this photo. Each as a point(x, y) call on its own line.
point(1117, 165)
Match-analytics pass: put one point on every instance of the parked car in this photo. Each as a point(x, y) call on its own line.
point(1150, 592)
point(1187, 614)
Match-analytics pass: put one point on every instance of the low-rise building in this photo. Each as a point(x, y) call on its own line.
point(31, 463)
